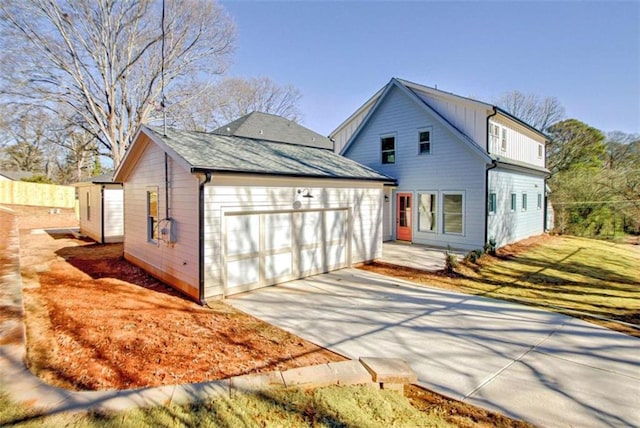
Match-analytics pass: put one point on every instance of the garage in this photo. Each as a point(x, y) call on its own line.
point(266, 248)
point(259, 202)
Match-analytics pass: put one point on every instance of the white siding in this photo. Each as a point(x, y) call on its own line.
point(522, 144)
point(507, 226)
point(177, 260)
point(451, 167)
point(113, 199)
point(234, 194)
point(468, 117)
point(90, 203)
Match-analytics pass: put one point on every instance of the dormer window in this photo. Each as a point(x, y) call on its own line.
point(540, 151)
point(494, 133)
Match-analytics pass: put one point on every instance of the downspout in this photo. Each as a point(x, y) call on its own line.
point(102, 214)
point(166, 186)
point(207, 179)
point(493, 165)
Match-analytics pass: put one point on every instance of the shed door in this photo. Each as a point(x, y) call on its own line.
point(267, 248)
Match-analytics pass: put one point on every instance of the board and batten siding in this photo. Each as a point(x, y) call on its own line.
point(175, 263)
point(467, 116)
point(522, 143)
point(506, 225)
point(451, 167)
point(246, 194)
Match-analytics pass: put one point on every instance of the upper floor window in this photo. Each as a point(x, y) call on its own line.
point(514, 201)
point(424, 141)
point(388, 146)
point(494, 133)
point(540, 151)
point(539, 201)
point(503, 140)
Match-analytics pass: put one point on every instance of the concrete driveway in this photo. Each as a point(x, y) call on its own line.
point(545, 368)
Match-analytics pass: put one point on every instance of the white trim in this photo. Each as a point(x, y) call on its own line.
point(463, 219)
point(428, 129)
point(393, 135)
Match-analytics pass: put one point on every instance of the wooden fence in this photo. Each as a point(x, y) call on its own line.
point(37, 194)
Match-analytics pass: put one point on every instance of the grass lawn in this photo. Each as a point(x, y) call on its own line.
point(352, 406)
point(572, 275)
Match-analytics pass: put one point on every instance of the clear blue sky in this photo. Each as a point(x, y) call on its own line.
point(587, 54)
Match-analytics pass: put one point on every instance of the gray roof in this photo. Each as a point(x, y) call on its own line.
point(264, 126)
point(221, 153)
point(16, 175)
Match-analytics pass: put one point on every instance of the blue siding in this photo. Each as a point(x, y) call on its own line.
point(451, 167)
point(507, 226)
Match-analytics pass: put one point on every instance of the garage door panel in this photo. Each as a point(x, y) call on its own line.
point(244, 271)
point(310, 260)
point(277, 231)
point(336, 255)
point(335, 225)
point(277, 266)
point(310, 227)
point(243, 234)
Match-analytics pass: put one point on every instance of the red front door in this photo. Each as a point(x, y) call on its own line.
point(403, 217)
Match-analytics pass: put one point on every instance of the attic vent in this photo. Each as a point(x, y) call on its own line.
point(261, 132)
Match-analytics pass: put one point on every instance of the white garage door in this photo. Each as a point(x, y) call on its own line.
point(270, 247)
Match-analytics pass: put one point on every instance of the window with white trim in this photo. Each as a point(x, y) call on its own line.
point(492, 203)
point(494, 134)
point(452, 216)
point(524, 202)
point(427, 213)
point(540, 151)
point(388, 149)
point(503, 140)
point(539, 201)
point(424, 141)
point(514, 201)
point(152, 214)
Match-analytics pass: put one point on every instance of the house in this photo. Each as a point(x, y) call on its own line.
point(213, 215)
point(468, 173)
point(14, 175)
point(101, 209)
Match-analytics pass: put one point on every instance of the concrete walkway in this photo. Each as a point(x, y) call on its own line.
point(542, 367)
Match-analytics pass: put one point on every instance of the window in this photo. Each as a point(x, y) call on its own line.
point(513, 201)
point(539, 201)
point(152, 215)
point(492, 203)
point(88, 206)
point(540, 151)
point(427, 212)
point(452, 217)
point(503, 141)
point(494, 134)
point(424, 141)
point(524, 202)
point(388, 145)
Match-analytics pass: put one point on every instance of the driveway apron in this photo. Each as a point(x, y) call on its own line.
point(542, 367)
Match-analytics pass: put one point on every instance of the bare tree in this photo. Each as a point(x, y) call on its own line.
point(534, 110)
point(104, 58)
point(234, 97)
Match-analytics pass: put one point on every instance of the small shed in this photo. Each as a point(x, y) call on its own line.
point(214, 215)
point(101, 209)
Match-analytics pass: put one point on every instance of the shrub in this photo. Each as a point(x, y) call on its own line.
point(490, 247)
point(450, 262)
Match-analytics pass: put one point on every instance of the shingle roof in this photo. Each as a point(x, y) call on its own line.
point(208, 151)
point(270, 127)
point(16, 175)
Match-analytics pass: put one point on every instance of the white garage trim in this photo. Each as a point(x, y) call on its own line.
point(262, 248)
